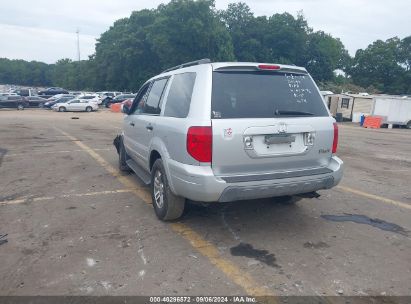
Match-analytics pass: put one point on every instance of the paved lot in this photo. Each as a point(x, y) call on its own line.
point(76, 226)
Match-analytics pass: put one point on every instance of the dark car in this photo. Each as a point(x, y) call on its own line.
point(36, 101)
point(49, 104)
point(25, 92)
point(13, 101)
point(53, 91)
point(119, 98)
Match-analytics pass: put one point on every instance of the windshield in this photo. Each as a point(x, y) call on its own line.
point(265, 95)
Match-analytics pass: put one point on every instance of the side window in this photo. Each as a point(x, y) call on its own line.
point(151, 106)
point(140, 100)
point(179, 96)
point(345, 103)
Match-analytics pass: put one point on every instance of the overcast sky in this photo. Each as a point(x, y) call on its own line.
point(44, 30)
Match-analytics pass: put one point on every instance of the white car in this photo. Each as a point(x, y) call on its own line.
point(8, 94)
point(76, 105)
point(91, 98)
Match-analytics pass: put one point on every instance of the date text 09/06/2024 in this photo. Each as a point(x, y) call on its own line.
point(203, 299)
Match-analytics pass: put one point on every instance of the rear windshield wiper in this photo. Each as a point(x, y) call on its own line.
point(296, 113)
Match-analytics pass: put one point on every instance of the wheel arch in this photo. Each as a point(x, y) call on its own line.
point(154, 155)
point(159, 150)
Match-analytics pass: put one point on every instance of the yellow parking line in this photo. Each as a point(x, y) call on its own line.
point(375, 197)
point(52, 152)
point(47, 198)
point(208, 250)
point(123, 179)
point(238, 276)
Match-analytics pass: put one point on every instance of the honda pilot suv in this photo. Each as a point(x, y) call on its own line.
point(221, 132)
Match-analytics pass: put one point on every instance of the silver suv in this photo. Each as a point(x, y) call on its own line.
point(221, 132)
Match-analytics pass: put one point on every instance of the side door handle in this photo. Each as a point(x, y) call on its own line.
point(132, 124)
point(149, 127)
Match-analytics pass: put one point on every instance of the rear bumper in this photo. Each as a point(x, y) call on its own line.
point(198, 183)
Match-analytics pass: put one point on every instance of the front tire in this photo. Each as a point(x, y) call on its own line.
point(62, 109)
point(20, 107)
point(167, 205)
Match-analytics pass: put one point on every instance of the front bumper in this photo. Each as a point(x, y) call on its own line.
point(199, 183)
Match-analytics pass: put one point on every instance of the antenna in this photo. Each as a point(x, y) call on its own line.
point(78, 44)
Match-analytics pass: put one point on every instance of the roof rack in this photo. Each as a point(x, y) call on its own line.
point(184, 65)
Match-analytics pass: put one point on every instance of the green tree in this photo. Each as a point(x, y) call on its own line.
point(382, 65)
point(136, 48)
point(323, 55)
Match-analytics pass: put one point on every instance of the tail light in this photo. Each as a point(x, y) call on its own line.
point(270, 67)
point(335, 141)
point(200, 143)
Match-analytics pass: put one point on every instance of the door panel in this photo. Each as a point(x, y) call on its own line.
point(130, 136)
point(143, 131)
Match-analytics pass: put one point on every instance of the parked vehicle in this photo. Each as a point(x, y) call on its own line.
point(36, 101)
point(76, 105)
point(106, 96)
point(55, 97)
point(51, 102)
point(91, 98)
point(394, 110)
point(13, 101)
point(118, 99)
point(25, 92)
point(53, 91)
point(8, 94)
point(220, 132)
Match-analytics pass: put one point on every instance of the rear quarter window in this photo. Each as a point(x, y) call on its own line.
point(179, 96)
point(265, 95)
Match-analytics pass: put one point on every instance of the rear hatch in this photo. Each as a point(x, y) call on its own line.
point(268, 122)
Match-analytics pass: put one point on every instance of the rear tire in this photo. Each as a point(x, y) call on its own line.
point(89, 109)
point(62, 109)
point(167, 205)
point(408, 126)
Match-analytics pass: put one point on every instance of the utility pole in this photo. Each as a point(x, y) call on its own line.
point(78, 44)
point(78, 82)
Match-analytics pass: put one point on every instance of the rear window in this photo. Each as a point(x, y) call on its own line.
point(265, 95)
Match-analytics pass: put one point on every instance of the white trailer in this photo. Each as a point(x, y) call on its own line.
point(394, 110)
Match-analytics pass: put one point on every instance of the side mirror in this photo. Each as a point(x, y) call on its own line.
point(125, 109)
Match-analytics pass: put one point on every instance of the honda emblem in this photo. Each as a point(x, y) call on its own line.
point(282, 128)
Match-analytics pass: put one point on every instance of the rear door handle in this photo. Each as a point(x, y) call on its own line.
point(132, 124)
point(149, 127)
